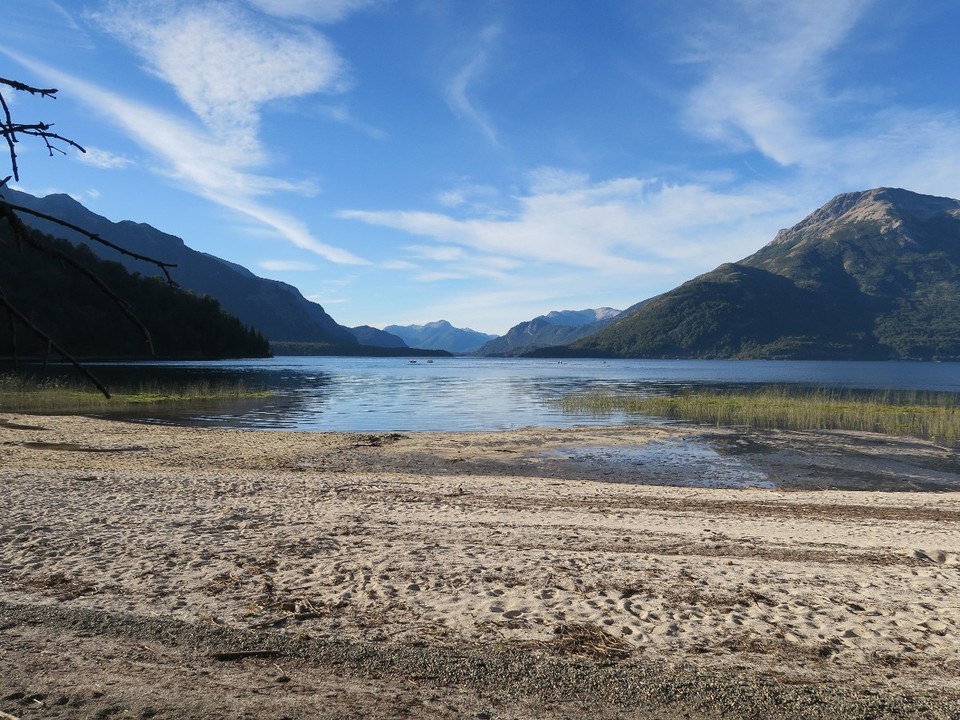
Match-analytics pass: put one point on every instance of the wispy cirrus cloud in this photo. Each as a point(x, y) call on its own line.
point(342, 114)
point(458, 95)
point(197, 159)
point(770, 84)
point(223, 63)
point(765, 74)
point(287, 265)
point(321, 11)
point(615, 228)
point(103, 159)
point(226, 65)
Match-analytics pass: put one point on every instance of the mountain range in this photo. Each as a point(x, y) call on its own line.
point(440, 335)
point(276, 309)
point(103, 311)
point(370, 336)
point(870, 275)
point(559, 327)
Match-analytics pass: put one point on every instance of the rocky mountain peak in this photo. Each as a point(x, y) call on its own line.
point(891, 209)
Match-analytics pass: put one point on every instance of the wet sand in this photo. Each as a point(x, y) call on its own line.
point(642, 571)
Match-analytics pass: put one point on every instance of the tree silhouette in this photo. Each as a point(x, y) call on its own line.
point(11, 132)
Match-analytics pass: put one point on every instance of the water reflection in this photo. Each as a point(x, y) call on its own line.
point(384, 394)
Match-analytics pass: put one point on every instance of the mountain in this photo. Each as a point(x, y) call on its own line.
point(574, 318)
point(870, 275)
point(276, 309)
point(83, 320)
point(440, 335)
point(559, 327)
point(370, 336)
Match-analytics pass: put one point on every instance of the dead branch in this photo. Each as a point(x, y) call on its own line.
point(241, 654)
point(163, 266)
point(10, 129)
point(11, 132)
point(26, 322)
point(16, 85)
point(22, 234)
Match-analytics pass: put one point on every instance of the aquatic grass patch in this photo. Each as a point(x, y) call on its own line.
point(927, 415)
point(50, 395)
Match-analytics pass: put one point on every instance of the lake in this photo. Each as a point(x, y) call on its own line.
point(462, 393)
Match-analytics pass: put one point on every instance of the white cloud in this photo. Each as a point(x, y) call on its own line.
point(552, 180)
point(457, 90)
point(286, 265)
point(341, 114)
point(618, 228)
point(398, 265)
point(766, 70)
point(772, 84)
point(223, 64)
point(199, 161)
point(103, 159)
point(470, 196)
point(437, 253)
point(323, 11)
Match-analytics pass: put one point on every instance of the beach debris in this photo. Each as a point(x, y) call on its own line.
point(230, 655)
point(938, 557)
point(590, 640)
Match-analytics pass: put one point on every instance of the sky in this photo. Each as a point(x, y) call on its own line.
point(483, 161)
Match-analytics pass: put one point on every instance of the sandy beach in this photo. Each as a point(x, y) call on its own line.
point(637, 571)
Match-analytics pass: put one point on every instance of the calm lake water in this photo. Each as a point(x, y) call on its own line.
point(384, 394)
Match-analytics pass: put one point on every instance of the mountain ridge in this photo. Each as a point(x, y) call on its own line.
point(440, 335)
point(558, 327)
point(278, 310)
point(873, 274)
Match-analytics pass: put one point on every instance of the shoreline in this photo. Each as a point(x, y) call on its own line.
point(527, 553)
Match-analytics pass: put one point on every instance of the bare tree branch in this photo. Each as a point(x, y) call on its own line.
point(163, 266)
point(22, 234)
point(16, 85)
point(23, 319)
point(10, 131)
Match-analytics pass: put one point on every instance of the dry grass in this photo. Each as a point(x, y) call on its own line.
point(25, 394)
point(589, 640)
point(929, 416)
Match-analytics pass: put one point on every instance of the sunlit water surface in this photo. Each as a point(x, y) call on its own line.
point(384, 394)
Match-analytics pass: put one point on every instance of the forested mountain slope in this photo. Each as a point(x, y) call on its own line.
point(870, 275)
point(72, 310)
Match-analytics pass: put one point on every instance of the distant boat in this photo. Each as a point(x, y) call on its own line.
point(411, 361)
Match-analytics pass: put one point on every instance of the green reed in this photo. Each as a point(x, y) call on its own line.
point(49, 395)
point(932, 416)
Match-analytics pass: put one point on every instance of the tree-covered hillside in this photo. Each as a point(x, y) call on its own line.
point(83, 320)
point(870, 275)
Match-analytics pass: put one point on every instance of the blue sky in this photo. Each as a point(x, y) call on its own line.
point(484, 161)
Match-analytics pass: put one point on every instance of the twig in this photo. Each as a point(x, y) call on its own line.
point(22, 233)
point(164, 266)
point(53, 345)
point(43, 92)
point(241, 654)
